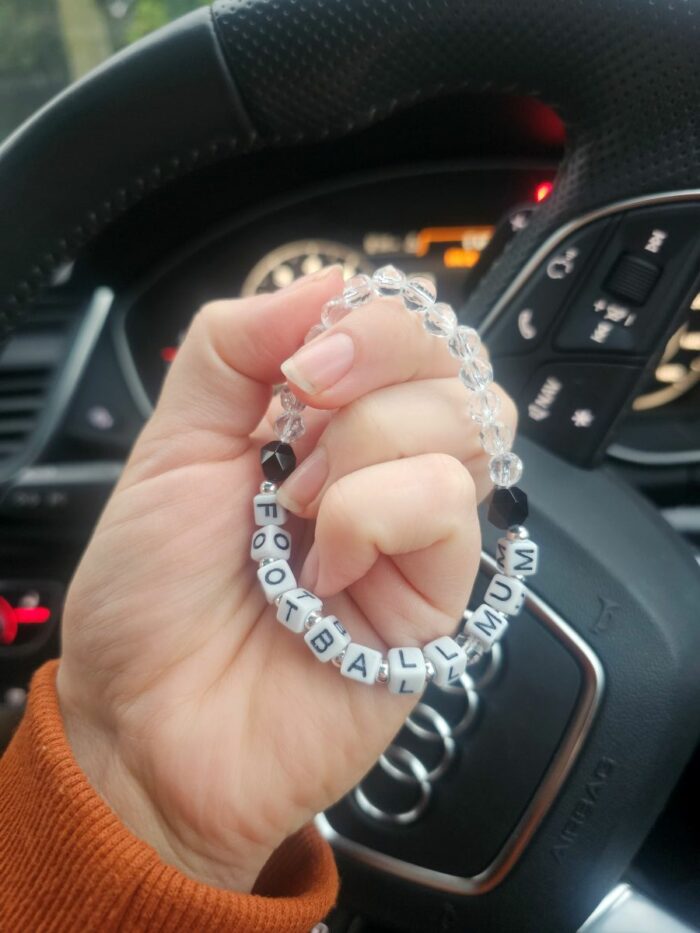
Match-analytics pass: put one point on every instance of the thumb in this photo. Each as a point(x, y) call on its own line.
point(220, 383)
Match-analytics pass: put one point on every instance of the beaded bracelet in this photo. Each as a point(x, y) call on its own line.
point(408, 669)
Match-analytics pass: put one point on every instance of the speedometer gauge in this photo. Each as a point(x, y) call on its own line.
point(303, 257)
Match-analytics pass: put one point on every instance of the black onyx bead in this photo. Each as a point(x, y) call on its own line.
point(508, 507)
point(277, 461)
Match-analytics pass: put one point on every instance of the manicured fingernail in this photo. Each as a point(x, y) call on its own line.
point(313, 277)
point(305, 483)
point(309, 572)
point(321, 363)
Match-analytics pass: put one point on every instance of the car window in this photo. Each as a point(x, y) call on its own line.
point(47, 44)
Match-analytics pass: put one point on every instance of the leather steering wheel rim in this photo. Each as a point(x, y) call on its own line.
point(250, 74)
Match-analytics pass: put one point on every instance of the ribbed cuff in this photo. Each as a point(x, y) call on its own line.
point(67, 862)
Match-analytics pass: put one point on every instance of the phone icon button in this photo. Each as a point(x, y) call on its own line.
point(527, 329)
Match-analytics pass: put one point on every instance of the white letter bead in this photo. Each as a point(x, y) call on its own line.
point(295, 606)
point(406, 670)
point(267, 511)
point(505, 594)
point(517, 558)
point(270, 541)
point(486, 625)
point(449, 661)
point(276, 578)
point(361, 663)
point(327, 638)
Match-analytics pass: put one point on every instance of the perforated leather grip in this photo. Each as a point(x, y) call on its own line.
point(621, 72)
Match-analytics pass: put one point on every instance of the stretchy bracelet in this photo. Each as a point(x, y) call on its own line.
point(444, 660)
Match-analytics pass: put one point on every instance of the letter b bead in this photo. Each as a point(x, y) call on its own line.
point(327, 638)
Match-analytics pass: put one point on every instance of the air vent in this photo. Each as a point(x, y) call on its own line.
point(28, 363)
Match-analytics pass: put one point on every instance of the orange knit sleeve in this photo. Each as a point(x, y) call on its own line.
point(68, 864)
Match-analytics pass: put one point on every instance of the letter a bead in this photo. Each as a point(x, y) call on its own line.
point(361, 663)
point(406, 670)
point(270, 541)
point(449, 661)
point(267, 510)
point(505, 594)
point(517, 558)
point(294, 608)
point(276, 578)
point(327, 638)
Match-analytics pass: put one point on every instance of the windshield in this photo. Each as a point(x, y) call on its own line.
point(46, 44)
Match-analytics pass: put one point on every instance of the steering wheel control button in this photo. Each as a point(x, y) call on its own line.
point(529, 318)
point(570, 407)
point(633, 278)
point(638, 287)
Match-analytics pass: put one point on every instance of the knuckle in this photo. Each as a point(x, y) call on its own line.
point(454, 480)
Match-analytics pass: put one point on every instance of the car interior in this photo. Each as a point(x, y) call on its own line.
point(541, 163)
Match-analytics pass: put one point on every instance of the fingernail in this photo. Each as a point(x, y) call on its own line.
point(309, 572)
point(305, 483)
point(321, 363)
point(313, 277)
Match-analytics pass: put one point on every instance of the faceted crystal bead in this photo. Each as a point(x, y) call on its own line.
point(506, 470)
point(496, 438)
point(388, 281)
point(358, 290)
point(507, 507)
point(334, 311)
point(289, 400)
point(277, 460)
point(484, 406)
point(476, 374)
point(314, 332)
point(289, 427)
point(465, 343)
point(440, 320)
point(419, 292)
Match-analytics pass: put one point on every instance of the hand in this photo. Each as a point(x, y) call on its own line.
point(211, 730)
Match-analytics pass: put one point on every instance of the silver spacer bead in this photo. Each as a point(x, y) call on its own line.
point(473, 650)
point(517, 533)
point(267, 487)
point(383, 672)
point(339, 658)
point(312, 618)
point(429, 671)
point(460, 638)
point(278, 599)
point(266, 560)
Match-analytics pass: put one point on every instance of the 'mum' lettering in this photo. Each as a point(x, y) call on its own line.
point(491, 623)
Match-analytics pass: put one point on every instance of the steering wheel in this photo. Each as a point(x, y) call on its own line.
point(599, 705)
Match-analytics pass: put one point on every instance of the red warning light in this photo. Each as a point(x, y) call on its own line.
point(168, 354)
point(11, 617)
point(543, 191)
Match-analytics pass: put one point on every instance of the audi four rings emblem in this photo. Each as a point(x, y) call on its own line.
point(402, 766)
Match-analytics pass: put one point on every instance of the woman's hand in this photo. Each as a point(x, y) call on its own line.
point(210, 729)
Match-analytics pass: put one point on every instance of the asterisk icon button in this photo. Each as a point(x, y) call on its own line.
point(583, 418)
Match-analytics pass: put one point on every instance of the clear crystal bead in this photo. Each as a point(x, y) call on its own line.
point(314, 332)
point(496, 438)
point(465, 343)
point(419, 292)
point(484, 406)
point(289, 400)
point(505, 469)
point(476, 374)
point(358, 290)
point(389, 281)
point(334, 311)
point(440, 320)
point(289, 427)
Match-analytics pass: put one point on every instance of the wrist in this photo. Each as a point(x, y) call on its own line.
point(230, 861)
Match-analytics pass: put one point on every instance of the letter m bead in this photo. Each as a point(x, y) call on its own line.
point(517, 558)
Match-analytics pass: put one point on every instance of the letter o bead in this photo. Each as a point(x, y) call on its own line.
point(449, 661)
point(327, 638)
point(406, 670)
point(360, 663)
point(276, 578)
point(270, 541)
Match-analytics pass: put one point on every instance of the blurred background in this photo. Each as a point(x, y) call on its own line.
point(47, 44)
